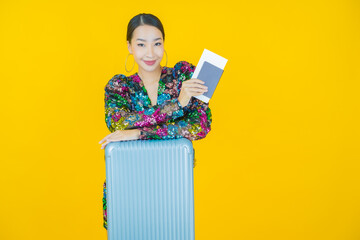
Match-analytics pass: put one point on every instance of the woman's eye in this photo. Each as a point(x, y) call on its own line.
point(140, 44)
point(158, 43)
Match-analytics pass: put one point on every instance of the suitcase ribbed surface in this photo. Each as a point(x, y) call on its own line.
point(150, 194)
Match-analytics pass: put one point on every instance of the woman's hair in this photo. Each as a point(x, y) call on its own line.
point(143, 19)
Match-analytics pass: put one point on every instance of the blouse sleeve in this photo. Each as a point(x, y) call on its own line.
point(118, 114)
point(196, 122)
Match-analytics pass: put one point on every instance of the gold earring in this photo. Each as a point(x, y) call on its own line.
point(166, 58)
point(126, 62)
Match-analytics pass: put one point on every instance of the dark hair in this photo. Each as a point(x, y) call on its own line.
point(143, 19)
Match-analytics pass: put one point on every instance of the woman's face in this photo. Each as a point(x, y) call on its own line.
point(147, 45)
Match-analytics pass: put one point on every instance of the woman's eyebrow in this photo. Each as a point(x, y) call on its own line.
point(140, 39)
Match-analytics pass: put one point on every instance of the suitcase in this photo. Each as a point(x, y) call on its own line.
point(150, 193)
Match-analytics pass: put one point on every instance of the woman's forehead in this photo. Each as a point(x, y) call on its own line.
point(147, 33)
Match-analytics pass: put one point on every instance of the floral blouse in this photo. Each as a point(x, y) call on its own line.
point(128, 106)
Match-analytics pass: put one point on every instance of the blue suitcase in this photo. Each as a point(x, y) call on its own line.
point(150, 193)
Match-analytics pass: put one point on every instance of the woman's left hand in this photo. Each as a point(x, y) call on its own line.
point(120, 135)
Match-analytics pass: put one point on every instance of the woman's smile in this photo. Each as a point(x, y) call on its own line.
point(150, 62)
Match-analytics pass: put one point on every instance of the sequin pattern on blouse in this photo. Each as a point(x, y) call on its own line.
point(128, 106)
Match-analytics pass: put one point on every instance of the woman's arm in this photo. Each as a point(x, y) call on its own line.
point(118, 115)
point(196, 124)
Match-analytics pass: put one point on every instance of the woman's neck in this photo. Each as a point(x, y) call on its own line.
point(150, 77)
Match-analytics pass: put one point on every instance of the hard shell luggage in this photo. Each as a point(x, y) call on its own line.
point(150, 193)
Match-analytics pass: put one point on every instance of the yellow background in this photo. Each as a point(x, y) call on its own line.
point(281, 160)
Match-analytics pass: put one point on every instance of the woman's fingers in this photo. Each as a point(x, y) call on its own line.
point(113, 137)
point(197, 93)
point(195, 80)
point(106, 140)
point(195, 89)
point(107, 137)
point(106, 143)
point(196, 85)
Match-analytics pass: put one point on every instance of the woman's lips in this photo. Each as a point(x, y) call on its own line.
point(150, 62)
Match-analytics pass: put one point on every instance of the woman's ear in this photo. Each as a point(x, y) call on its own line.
point(129, 46)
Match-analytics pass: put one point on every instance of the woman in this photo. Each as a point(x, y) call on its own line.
point(157, 102)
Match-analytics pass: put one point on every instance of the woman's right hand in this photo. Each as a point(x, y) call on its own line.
point(120, 135)
point(189, 88)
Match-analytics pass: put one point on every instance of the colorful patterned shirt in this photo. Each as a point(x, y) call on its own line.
point(128, 106)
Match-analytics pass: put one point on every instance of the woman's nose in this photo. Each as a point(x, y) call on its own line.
point(150, 51)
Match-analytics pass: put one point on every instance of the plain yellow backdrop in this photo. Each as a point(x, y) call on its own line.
point(282, 158)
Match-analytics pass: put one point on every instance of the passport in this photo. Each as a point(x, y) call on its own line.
point(209, 69)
